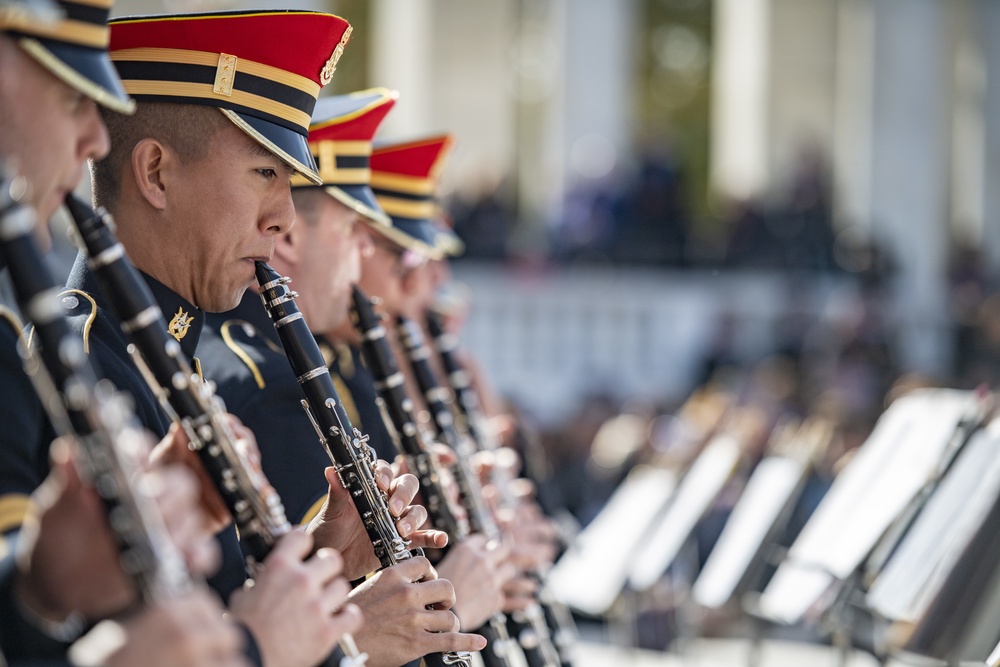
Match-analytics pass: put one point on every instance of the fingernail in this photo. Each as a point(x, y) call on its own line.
point(396, 506)
point(404, 527)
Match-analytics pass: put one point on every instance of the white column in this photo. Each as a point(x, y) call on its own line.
point(740, 90)
point(802, 83)
point(989, 22)
point(855, 89)
point(968, 123)
point(401, 58)
point(597, 88)
point(910, 155)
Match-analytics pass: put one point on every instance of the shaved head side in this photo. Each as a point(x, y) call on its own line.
point(187, 128)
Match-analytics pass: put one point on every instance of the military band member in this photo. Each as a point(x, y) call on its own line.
point(322, 255)
point(198, 182)
point(479, 571)
point(54, 71)
point(405, 178)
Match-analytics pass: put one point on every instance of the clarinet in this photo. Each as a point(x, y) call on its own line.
point(189, 402)
point(92, 411)
point(530, 625)
point(353, 458)
point(469, 416)
point(397, 412)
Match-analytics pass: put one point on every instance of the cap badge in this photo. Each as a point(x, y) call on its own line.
point(326, 74)
point(180, 324)
point(225, 73)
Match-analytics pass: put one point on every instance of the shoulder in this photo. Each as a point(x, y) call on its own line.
point(240, 358)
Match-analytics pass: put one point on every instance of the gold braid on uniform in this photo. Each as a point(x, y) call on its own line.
point(90, 318)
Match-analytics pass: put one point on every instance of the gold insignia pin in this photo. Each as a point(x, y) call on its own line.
point(225, 74)
point(326, 74)
point(180, 324)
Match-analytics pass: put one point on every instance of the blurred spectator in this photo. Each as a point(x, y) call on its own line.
point(485, 219)
point(651, 225)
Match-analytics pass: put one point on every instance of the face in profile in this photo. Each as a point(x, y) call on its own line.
point(48, 130)
point(222, 214)
point(332, 244)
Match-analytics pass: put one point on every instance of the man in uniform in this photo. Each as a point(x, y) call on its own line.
point(54, 70)
point(242, 354)
point(198, 181)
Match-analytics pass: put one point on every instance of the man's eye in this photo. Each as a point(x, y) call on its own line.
point(268, 173)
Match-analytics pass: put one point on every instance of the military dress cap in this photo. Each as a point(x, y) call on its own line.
point(340, 138)
point(404, 179)
point(263, 69)
point(70, 39)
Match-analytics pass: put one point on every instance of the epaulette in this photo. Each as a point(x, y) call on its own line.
point(74, 300)
point(251, 332)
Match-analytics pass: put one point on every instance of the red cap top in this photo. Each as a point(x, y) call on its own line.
point(264, 69)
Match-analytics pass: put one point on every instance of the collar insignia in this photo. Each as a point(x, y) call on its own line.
point(326, 74)
point(180, 324)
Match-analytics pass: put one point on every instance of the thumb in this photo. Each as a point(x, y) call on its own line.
point(63, 465)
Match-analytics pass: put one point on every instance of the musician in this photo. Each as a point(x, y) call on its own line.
point(240, 352)
point(54, 70)
point(479, 571)
point(198, 181)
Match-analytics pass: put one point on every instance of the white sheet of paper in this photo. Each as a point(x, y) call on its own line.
point(695, 494)
point(591, 575)
point(771, 485)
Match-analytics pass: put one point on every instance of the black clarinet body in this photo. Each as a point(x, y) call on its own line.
point(529, 626)
point(256, 507)
point(397, 409)
point(348, 449)
point(92, 411)
point(471, 418)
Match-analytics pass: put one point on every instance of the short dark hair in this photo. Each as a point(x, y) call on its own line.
point(186, 128)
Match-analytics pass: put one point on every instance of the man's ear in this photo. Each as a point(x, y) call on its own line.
point(150, 161)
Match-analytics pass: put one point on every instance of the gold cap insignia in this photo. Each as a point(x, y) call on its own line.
point(180, 324)
point(326, 74)
point(225, 73)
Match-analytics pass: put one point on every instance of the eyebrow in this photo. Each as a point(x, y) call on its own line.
point(258, 150)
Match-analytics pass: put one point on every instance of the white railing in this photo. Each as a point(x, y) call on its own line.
point(547, 339)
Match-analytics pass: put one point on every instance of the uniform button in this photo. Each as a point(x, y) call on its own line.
point(248, 330)
point(70, 302)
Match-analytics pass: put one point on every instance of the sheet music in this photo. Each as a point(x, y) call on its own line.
point(591, 575)
point(695, 495)
point(899, 457)
point(771, 486)
point(953, 513)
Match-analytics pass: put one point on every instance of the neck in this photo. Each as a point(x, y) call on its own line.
point(135, 229)
point(345, 333)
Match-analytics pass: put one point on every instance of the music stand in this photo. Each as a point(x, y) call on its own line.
point(892, 466)
point(939, 589)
